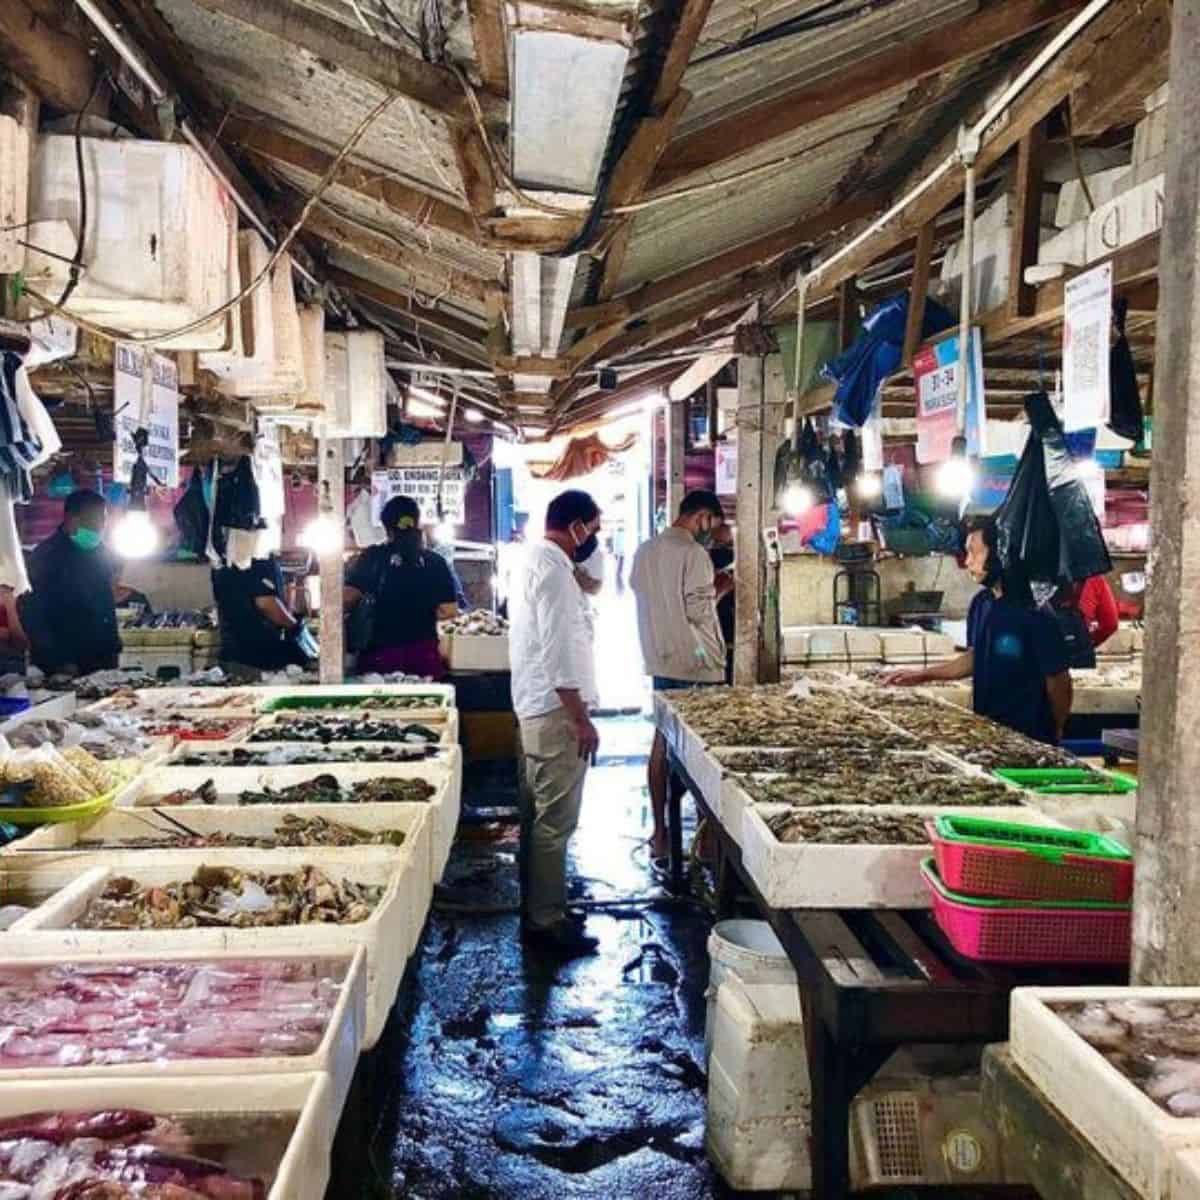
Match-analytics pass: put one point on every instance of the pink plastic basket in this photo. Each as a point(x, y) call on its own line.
point(988, 859)
point(1003, 932)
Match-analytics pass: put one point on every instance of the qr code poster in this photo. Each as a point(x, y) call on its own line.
point(1086, 327)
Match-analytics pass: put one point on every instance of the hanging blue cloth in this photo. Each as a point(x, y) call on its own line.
point(861, 369)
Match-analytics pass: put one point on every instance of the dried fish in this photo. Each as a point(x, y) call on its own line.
point(849, 828)
point(320, 789)
point(341, 729)
point(381, 701)
point(225, 896)
point(303, 754)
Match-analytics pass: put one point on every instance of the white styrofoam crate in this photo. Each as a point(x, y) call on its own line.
point(808, 875)
point(666, 720)
point(336, 1055)
point(355, 385)
point(152, 659)
point(443, 806)
point(275, 391)
point(1067, 246)
point(1128, 217)
point(468, 652)
point(1184, 1181)
point(14, 194)
point(389, 934)
point(1126, 1127)
point(157, 253)
point(303, 1171)
point(57, 708)
point(446, 725)
point(1103, 185)
point(251, 352)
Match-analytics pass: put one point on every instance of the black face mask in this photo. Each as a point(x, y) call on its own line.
point(586, 548)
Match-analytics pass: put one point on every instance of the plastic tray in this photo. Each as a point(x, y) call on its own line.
point(303, 1171)
point(28, 818)
point(1018, 932)
point(1068, 781)
point(999, 860)
point(336, 1055)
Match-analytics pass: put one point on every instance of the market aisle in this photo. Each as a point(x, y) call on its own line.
point(518, 1079)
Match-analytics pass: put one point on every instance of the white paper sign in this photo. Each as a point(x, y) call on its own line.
point(726, 456)
point(1086, 326)
point(162, 453)
point(421, 483)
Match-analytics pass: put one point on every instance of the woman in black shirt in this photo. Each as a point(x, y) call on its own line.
point(412, 590)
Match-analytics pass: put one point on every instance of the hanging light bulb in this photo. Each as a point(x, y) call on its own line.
point(956, 476)
point(324, 534)
point(134, 535)
point(444, 532)
point(797, 499)
point(869, 486)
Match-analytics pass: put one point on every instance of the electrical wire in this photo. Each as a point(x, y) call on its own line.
point(81, 237)
point(151, 339)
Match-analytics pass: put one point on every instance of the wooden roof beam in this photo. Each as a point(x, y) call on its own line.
point(1040, 98)
point(257, 135)
point(350, 49)
point(51, 60)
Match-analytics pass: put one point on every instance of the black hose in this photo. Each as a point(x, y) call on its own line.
point(81, 237)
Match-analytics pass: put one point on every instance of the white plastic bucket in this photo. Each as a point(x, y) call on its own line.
point(751, 951)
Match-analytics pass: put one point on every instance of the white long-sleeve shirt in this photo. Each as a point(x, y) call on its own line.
point(548, 646)
point(673, 580)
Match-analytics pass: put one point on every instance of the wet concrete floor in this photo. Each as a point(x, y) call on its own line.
point(505, 1075)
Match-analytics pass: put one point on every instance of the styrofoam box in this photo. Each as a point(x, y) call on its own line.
point(152, 659)
point(303, 1172)
point(836, 643)
point(445, 723)
point(388, 935)
point(1126, 218)
point(666, 720)
point(809, 875)
point(311, 400)
point(1073, 203)
point(1184, 1182)
point(57, 708)
point(275, 390)
point(157, 253)
point(1126, 1127)
point(336, 1055)
point(355, 385)
point(443, 806)
point(478, 653)
point(1095, 813)
point(759, 1113)
point(14, 194)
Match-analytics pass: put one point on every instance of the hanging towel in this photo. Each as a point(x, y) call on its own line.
point(13, 573)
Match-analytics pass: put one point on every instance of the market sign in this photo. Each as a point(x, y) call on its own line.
point(726, 458)
point(1086, 325)
point(935, 375)
point(421, 483)
point(162, 421)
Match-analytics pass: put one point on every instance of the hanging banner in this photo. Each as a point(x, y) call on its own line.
point(1086, 325)
point(421, 483)
point(162, 452)
point(935, 375)
point(726, 456)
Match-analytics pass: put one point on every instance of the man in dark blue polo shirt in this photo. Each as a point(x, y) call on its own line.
point(1017, 655)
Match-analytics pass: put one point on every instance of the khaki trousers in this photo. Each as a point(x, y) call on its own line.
point(551, 799)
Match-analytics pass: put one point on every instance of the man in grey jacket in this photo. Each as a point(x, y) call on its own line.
point(677, 591)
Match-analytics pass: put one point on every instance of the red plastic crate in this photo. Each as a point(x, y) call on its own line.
point(1012, 873)
point(1005, 932)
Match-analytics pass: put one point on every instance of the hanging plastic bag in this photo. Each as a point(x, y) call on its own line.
point(1026, 525)
point(1125, 406)
point(238, 498)
point(1082, 551)
point(191, 516)
point(821, 528)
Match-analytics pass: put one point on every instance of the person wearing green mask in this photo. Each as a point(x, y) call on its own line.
point(71, 614)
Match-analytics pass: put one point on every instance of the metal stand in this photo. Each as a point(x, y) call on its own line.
point(856, 593)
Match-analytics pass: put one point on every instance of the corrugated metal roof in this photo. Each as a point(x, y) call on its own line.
point(404, 281)
point(399, 21)
point(737, 80)
point(247, 68)
point(675, 235)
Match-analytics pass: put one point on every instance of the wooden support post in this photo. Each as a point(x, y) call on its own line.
point(1027, 220)
point(847, 312)
point(331, 460)
point(677, 412)
point(711, 409)
point(748, 547)
point(775, 405)
point(918, 292)
point(1167, 885)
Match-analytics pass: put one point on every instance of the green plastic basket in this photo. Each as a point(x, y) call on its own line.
point(26, 818)
point(1069, 781)
point(1039, 840)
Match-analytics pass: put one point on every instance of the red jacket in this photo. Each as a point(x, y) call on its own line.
point(1098, 607)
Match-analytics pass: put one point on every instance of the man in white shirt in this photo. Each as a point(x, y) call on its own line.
point(549, 650)
point(677, 591)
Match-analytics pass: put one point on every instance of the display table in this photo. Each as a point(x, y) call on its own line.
point(1056, 1159)
point(871, 981)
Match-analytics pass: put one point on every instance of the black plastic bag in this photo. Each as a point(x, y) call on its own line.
point(237, 500)
point(191, 516)
point(1026, 525)
point(1082, 551)
point(1125, 401)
